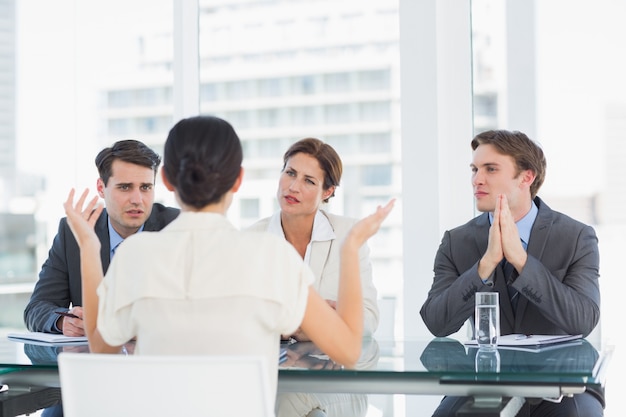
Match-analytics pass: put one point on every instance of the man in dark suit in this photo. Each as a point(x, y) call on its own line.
point(127, 173)
point(544, 264)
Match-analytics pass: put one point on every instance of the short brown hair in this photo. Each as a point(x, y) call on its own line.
point(326, 156)
point(525, 152)
point(129, 150)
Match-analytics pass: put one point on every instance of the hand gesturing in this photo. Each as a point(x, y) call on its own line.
point(81, 221)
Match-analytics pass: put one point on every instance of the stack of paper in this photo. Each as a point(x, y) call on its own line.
point(47, 339)
point(532, 342)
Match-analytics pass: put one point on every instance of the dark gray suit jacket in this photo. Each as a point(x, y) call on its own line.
point(59, 284)
point(559, 292)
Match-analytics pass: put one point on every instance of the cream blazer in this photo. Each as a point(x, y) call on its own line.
point(324, 262)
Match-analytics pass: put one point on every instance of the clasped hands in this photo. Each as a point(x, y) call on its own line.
point(504, 241)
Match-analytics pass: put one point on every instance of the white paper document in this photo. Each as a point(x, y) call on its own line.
point(47, 338)
point(531, 340)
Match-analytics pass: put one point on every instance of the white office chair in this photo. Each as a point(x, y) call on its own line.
point(99, 385)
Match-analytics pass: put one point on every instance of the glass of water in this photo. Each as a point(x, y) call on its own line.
point(487, 319)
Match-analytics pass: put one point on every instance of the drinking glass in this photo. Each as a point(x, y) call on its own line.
point(487, 319)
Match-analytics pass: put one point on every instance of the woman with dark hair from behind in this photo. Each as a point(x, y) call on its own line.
point(201, 276)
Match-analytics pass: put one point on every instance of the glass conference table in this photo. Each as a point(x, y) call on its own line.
point(497, 382)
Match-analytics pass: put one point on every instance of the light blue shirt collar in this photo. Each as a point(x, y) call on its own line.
point(115, 239)
point(525, 224)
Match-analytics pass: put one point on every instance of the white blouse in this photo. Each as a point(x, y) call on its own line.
point(200, 286)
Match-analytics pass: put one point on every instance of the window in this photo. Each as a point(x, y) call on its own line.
point(375, 142)
point(337, 83)
point(249, 208)
point(376, 175)
point(208, 92)
point(81, 87)
point(377, 111)
point(270, 87)
point(269, 117)
point(238, 90)
point(338, 113)
point(304, 116)
point(374, 80)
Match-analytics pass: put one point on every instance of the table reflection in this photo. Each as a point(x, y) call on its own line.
point(47, 354)
point(573, 361)
point(305, 355)
point(572, 358)
point(436, 366)
point(487, 360)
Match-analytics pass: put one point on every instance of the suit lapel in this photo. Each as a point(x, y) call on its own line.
point(481, 234)
point(537, 242)
point(541, 230)
point(102, 231)
point(152, 223)
point(319, 255)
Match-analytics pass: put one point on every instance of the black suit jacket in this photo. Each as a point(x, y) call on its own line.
point(559, 291)
point(59, 284)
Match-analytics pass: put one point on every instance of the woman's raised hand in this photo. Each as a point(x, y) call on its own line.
point(368, 226)
point(82, 221)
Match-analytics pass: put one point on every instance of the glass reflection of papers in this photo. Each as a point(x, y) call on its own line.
point(47, 355)
point(450, 355)
point(305, 355)
point(447, 355)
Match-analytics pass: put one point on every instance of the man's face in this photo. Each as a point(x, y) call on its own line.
point(128, 196)
point(494, 174)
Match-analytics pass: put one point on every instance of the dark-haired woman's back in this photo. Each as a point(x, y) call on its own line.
point(214, 290)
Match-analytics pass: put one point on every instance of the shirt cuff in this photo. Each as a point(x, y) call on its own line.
point(490, 279)
point(55, 328)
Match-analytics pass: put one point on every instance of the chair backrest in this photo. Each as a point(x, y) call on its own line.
point(97, 385)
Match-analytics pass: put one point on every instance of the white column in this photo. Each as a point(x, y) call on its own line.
point(437, 127)
point(435, 53)
point(521, 86)
point(186, 59)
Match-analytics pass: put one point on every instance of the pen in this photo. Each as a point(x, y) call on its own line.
point(68, 314)
point(523, 336)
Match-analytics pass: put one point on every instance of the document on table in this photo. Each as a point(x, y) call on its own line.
point(47, 339)
point(532, 341)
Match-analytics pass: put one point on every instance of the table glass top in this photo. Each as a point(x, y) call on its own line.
point(444, 359)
